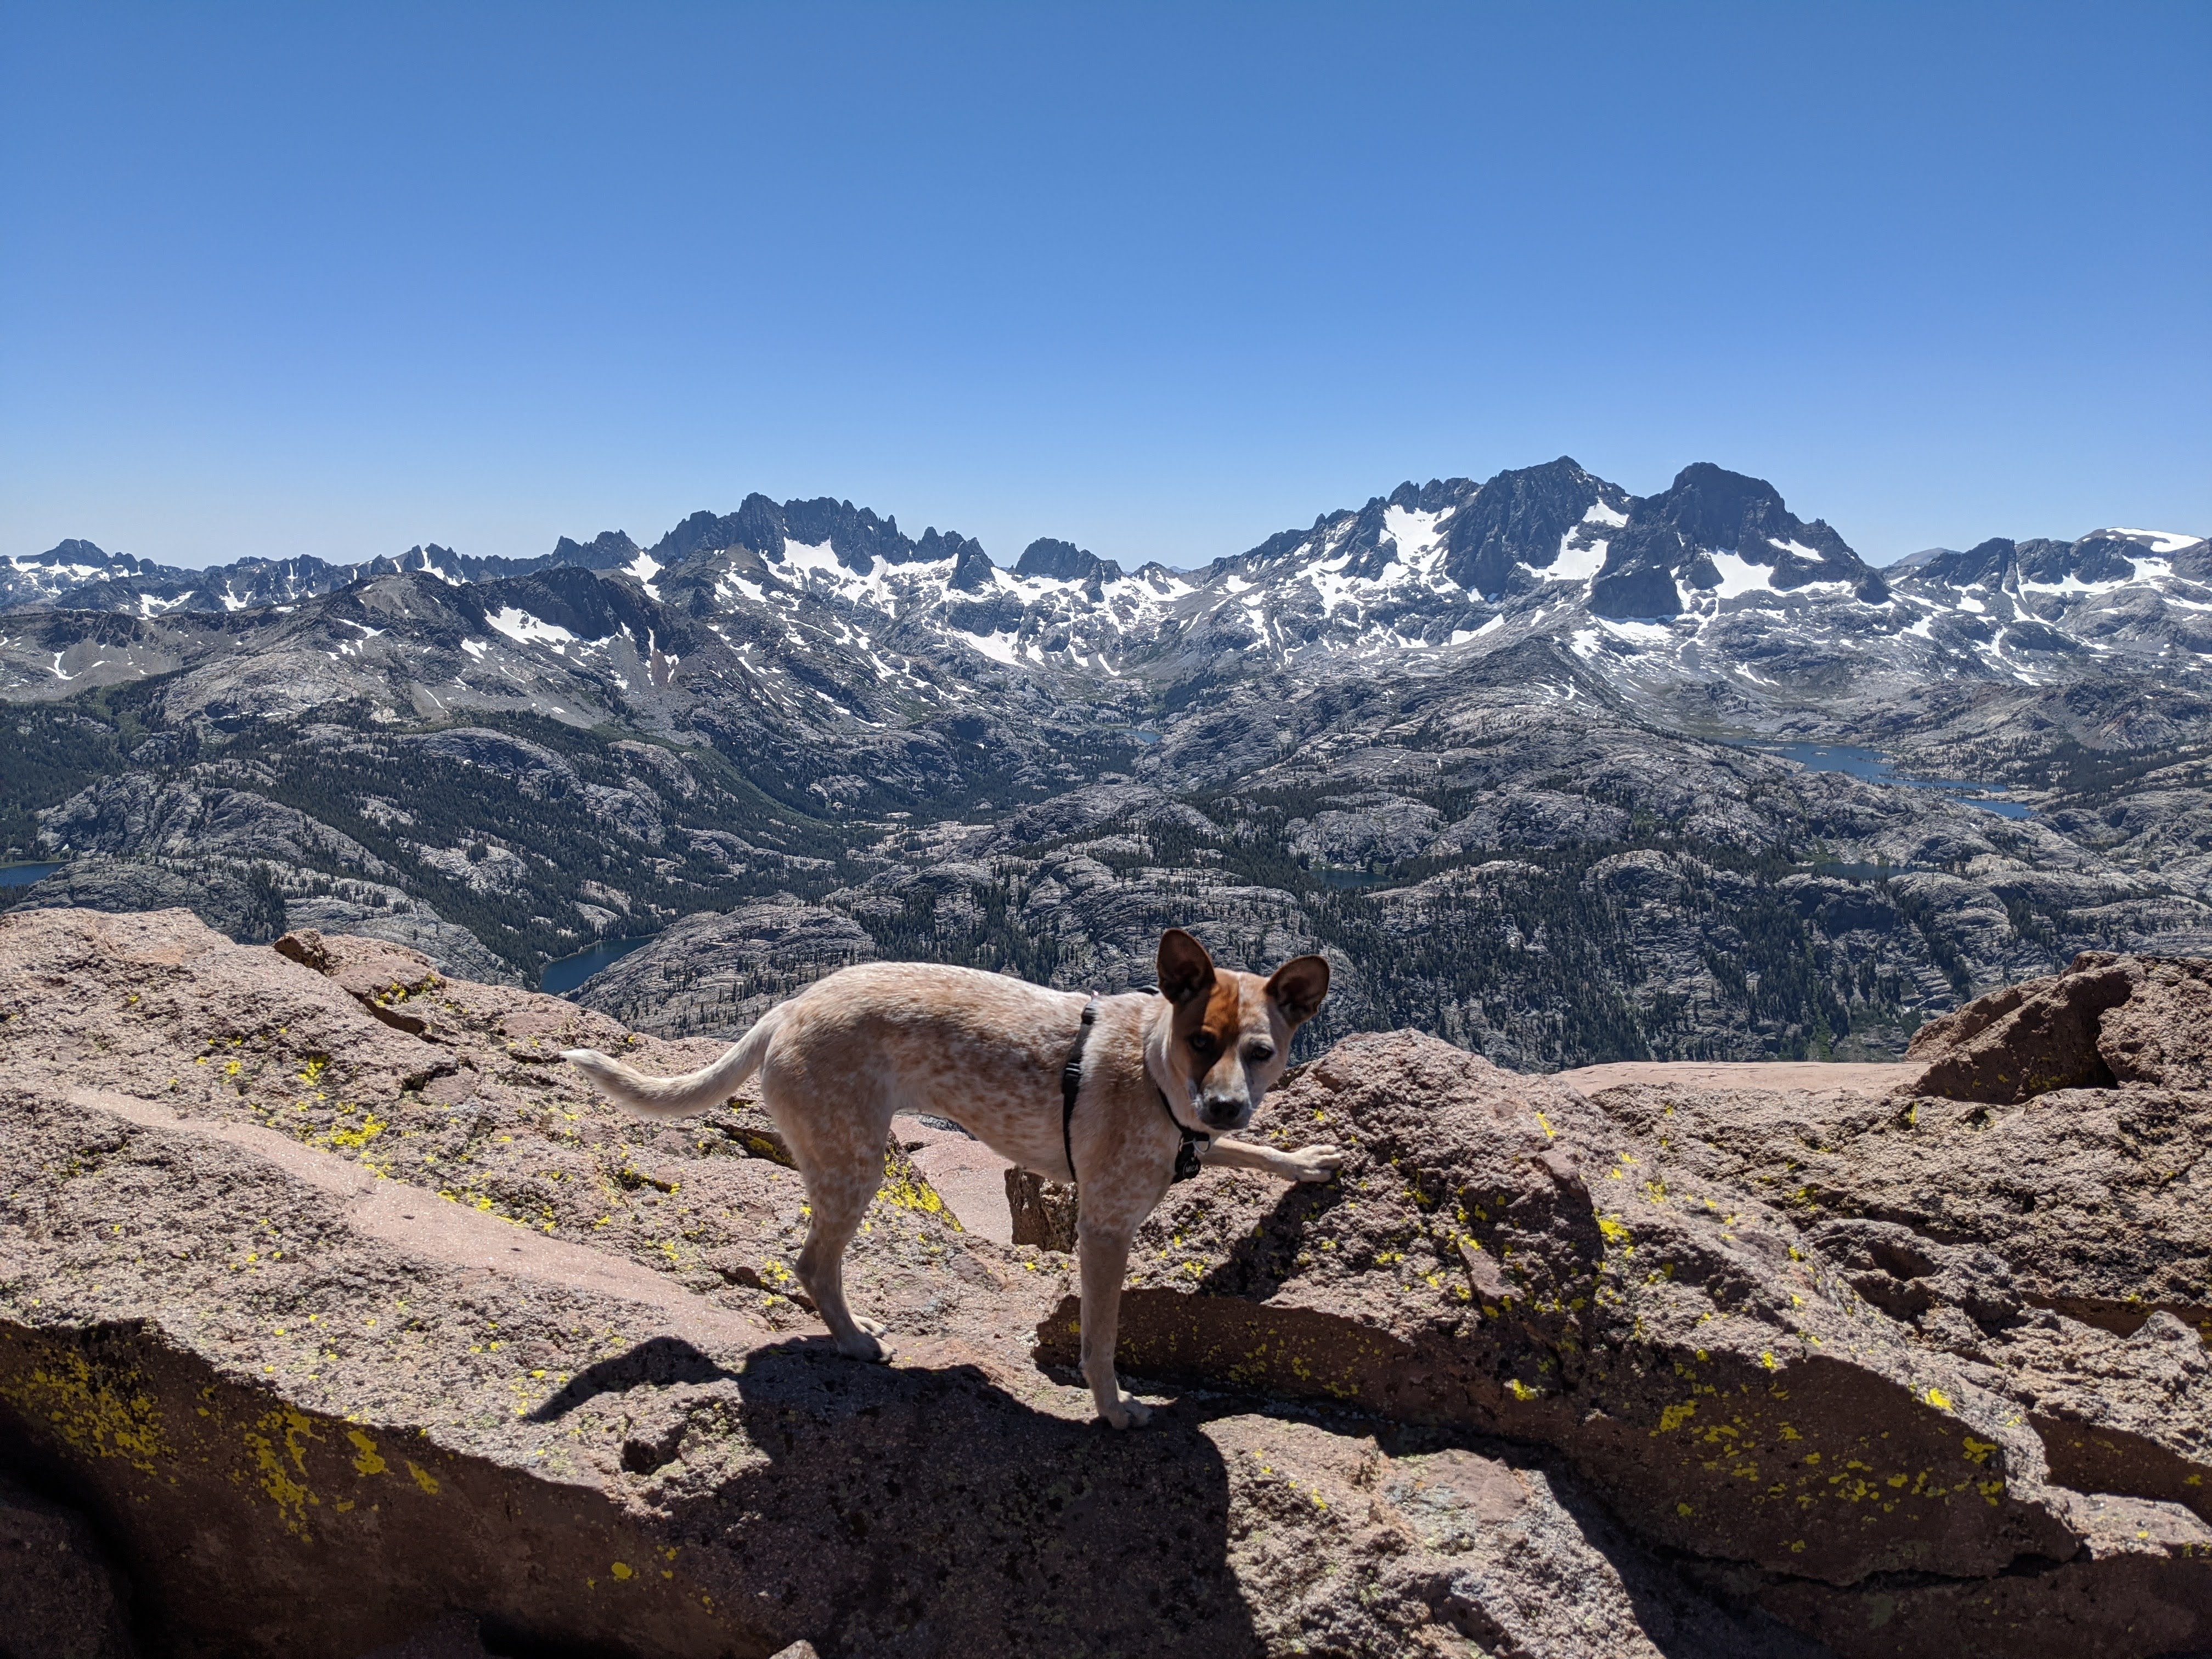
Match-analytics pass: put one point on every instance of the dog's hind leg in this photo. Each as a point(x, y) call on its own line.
point(836, 1116)
point(840, 1197)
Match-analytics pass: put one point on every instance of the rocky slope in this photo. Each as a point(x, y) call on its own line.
point(1549, 769)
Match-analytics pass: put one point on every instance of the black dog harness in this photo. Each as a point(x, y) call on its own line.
point(1187, 1155)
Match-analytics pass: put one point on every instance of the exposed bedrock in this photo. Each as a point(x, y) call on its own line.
point(2099, 1198)
point(1500, 1254)
point(2106, 1021)
point(344, 1321)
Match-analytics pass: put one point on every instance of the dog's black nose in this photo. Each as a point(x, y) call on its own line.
point(1223, 1113)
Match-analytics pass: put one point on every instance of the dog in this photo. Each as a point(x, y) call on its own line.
point(1122, 1094)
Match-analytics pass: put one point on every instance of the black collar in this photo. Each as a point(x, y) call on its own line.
point(1193, 1143)
point(1187, 1156)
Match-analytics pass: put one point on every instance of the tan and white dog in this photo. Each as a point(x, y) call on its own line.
point(987, 1051)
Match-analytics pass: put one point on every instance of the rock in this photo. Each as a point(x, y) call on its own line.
point(2106, 1020)
point(1988, 1232)
point(218, 897)
point(2099, 1200)
point(2025, 1040)
point(2139, 1585)
point(456, 1636)
point(333, 1303)
point(2116, 1414)
point(966, 1174)
point(308, 1402)
point(141, 815)
point(1907, 1275)
point(59, 1598)
point(1497, 1254)
point(716, 975)
point(451, 947)
point(2162, 1035)
point(360, 1048)
point(1044, 1211)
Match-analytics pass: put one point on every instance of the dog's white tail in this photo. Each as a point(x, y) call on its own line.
point(678, 1096)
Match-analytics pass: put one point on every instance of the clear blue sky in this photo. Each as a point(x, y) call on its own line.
point(335, 279)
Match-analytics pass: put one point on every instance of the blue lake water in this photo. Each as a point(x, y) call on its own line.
point(564, 975)
point(1350, 878)
point(1148, 738)
point(1877, 767)
point(22, 875)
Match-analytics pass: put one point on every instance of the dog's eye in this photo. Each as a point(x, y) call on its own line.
point(1203, 1043)
point(1259, 1053)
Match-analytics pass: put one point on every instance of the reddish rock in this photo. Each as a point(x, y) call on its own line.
point(1043, 1212)
point(2139, 1585)
point(2106, 1021)
point(2162, 1035)
point(2026, 1040)
point(2100, 1200)
point(1499, 1254)
point(1675, 1369)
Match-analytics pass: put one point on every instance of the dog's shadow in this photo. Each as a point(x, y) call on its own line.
point(900, 1509)
point(654, 1363)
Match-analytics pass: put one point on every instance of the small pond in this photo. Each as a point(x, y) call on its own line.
point(1352, 878)
point(1877, 767)
point(564, 975)
point(22, 875)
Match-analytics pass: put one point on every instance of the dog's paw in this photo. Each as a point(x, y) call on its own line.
point(1128, 1413)
point(866, 1345)
point(873, 1326)
point(1316, 1163)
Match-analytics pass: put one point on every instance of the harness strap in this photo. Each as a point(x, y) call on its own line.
point(1187, 1156)
point(1071, 1080)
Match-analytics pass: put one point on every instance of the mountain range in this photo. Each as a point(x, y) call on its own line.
point(1709, 576)
point(1558, 772)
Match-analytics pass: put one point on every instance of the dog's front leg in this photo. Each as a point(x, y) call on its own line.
point(1306, 1164)
point(1103, 1256)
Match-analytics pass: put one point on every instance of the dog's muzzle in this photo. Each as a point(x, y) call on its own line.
point(1231, 1112)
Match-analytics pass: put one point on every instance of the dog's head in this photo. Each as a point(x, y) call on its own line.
point(1229, 1037)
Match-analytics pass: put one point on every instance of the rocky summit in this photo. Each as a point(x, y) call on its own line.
point(337, 1317)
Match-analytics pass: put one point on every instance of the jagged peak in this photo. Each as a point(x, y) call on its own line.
point(1060, 560)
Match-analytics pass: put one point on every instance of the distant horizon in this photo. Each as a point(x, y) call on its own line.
point(1157, 281)
point(1007, 559)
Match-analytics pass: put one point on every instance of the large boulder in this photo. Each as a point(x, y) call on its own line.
point(2106, 1020)
point(2097, 1195)
point(1499, 1254)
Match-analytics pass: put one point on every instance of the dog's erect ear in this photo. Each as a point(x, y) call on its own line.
point(1186, 971)
point(1299, 987)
